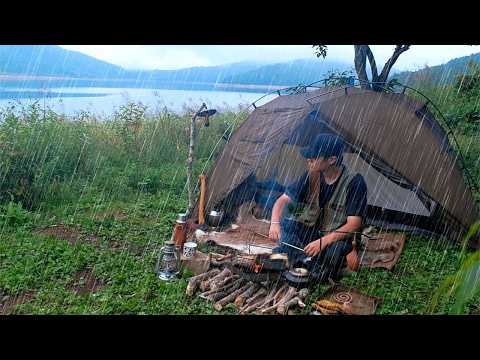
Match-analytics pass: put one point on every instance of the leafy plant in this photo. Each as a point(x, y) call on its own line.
point(14, 214)
point(465, 283)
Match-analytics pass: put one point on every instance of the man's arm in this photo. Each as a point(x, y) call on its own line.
point(356, 204)
point(277, 210)
point(353, 224)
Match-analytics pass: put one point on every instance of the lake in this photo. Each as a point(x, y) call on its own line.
point(104, 101)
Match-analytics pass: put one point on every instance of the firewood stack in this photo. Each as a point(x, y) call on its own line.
point(222, 287)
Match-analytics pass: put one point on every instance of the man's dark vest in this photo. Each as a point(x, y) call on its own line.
point(333, 214)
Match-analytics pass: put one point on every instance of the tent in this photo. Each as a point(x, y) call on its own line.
point(413, 173)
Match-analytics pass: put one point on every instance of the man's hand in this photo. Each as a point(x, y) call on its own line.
point(274, 232)
point(314, 248)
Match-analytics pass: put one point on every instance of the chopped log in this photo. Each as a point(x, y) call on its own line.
point(280, 293)
point(269, 297)
point(282, 309)
point(229, 298)
point(220, 280)
point(222, 294)
point(262, 291)
point(291, 293)
point(205, 285)
point(194, 281)
point(240, 300)
point(226, 287)
point(222, 283)
point(254, 305)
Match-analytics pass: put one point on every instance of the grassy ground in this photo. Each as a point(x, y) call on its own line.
point(113, 190)
point(122, 258)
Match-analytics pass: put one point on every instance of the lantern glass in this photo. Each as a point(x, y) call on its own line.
point(168, 263)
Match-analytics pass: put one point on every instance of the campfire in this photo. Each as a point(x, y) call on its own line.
point(251, 283)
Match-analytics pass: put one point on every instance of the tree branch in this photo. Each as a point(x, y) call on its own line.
point(373, 64)
point(399, 49)
point(360, 64)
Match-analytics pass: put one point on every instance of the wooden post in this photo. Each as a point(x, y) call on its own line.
point(190, 159)
point(201, 206)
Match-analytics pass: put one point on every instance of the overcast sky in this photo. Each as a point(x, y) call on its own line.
point(180, 56)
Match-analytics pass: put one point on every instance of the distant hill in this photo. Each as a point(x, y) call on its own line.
point(210, 74)
point(83, 70)
point(50, 60)
point(439, 74)
point(68, 68)
point(304, 71)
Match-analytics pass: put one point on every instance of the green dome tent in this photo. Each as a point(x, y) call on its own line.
point(414, 175)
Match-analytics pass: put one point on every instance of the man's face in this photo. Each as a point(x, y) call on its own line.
point(320, 164)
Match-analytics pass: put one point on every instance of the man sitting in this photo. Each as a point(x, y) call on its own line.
point(324, 207)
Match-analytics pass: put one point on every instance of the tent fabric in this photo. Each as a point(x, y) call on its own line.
point(393, 141)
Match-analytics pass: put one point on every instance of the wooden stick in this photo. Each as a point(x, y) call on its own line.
point(240, 300)
point(283, 308)
point(279, 293)
point(269, 297)
point(289, 295)
point(297, 300)
point(256, 296)
point(228, 299)
point(205, 285)
point(194, 281)
point(252, 306)
point(222, 294)
point(223, 282)
point(224, 288)
point(201, 206)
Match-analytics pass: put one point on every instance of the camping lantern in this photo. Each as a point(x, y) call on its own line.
point(168, 263)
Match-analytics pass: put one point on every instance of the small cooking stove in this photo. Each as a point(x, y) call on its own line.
point(297, 277)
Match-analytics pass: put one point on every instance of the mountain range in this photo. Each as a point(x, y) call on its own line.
point(52, 66)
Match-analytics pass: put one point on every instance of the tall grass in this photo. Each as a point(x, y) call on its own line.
point(47, 158)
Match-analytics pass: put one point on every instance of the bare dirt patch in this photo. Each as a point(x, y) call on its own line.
point(9, 302)
point(67, 233)
point(85, 283)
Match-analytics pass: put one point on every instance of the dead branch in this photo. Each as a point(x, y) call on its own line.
point(240, 300)
point(229, 298)
point(291, 292)
point(297, 300)
point(223, 282)
point(269, 297)
point(205, 285)
point(262, 291)
point(222, 294)
point(283, 308)
point(194, 281)
point(280, 293)
point(226, 287)
point(254, 305)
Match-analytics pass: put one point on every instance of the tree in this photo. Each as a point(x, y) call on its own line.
point(362, 53)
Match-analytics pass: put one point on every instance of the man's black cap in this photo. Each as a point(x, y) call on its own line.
point(324, 145)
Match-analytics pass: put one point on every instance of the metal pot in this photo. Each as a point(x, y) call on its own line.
point(215, 218)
